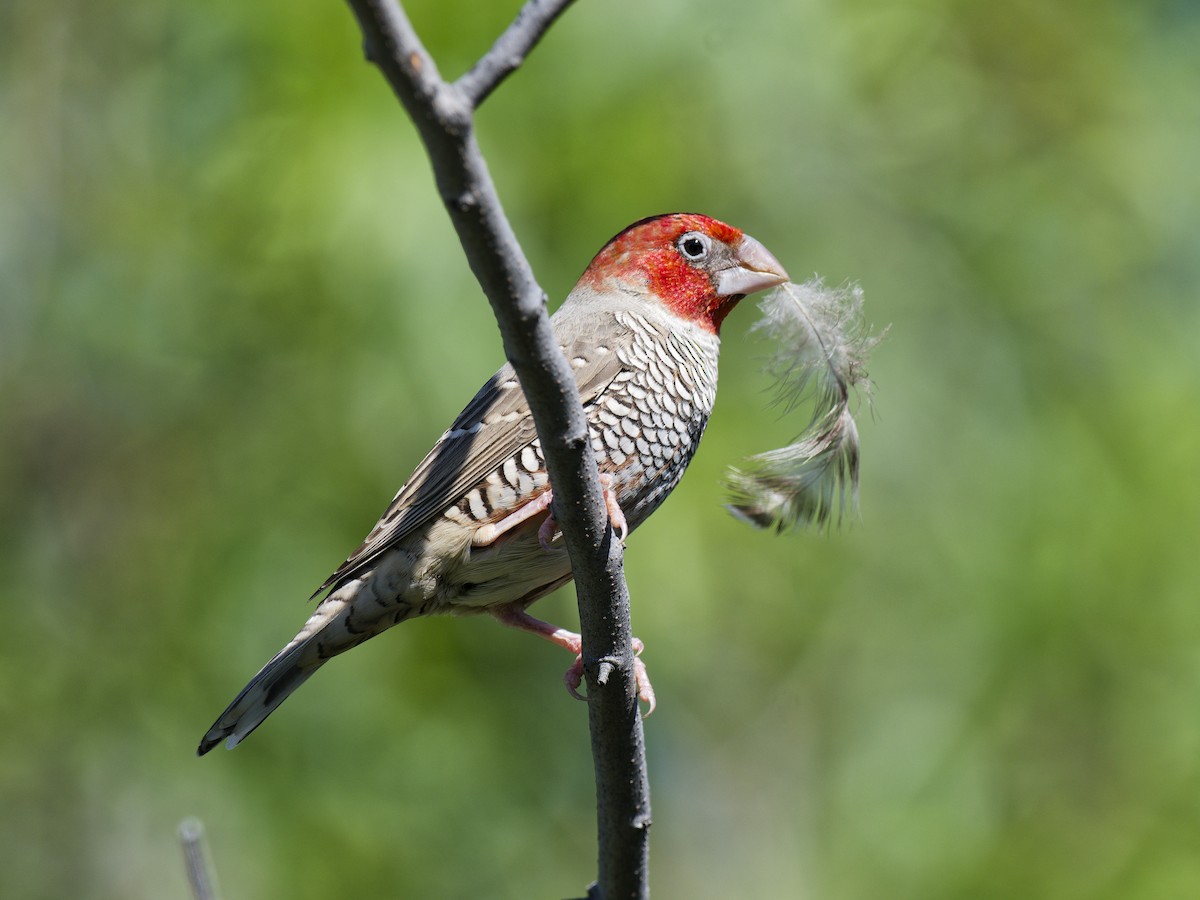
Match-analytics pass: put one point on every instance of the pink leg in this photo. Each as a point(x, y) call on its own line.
point(549, 529)
point(487, 534)
point(570, 641)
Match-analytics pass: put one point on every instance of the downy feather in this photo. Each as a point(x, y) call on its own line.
point(819, 355)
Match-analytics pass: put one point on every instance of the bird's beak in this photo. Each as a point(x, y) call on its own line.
point(754, 269)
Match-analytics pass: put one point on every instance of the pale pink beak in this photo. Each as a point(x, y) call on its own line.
point(756, 270)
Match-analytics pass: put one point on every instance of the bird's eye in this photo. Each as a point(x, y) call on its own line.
point(694, 245)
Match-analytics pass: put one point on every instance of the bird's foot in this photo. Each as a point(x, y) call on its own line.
point(615, 515)
point(549, 528)
point(573, 678)
point(573, 643)
point(548, 532)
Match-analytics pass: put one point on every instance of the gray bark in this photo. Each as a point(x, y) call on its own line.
point(443, 113)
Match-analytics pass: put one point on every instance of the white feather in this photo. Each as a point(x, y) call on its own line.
point(821, 346)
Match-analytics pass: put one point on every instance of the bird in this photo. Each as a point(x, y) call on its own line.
point(473, 528)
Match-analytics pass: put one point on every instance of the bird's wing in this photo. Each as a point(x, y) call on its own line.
point(494, 427)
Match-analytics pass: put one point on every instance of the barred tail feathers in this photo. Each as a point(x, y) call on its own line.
point(330, 630)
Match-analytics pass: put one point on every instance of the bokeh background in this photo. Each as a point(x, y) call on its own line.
point(233, 316)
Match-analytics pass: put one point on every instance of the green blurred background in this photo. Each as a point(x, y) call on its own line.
point(233, 316)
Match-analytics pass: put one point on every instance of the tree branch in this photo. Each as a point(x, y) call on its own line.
point(510, 48)
point(201, 878)
point(443, 115)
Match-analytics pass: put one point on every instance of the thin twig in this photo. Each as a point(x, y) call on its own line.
point(510, 49)
point(200, 875)
point(443, 115)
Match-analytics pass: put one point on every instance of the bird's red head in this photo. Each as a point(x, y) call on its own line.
point(697, 267)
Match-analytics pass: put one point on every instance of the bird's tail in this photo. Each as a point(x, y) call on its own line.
point(330, 630)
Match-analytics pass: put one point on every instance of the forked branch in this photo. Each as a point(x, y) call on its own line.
point(443, 113)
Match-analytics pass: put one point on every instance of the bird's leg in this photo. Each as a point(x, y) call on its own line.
point(572, 642)
point(487, 534)
point(620, 527)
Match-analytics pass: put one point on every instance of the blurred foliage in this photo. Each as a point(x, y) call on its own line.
point(233, 315)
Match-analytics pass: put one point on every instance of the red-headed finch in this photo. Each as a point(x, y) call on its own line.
point(472, 531)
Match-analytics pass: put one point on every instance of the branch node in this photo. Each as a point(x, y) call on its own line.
point(462, 201)
point(452, 108)
point(605, 670)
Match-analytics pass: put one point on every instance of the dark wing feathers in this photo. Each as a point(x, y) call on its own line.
point(495, 426)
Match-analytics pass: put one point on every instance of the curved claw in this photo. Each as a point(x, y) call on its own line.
point(517, 618)
point(645, 689)
point(573, 678)
point(546, 532)
point(615, 514)
point(616, 517)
